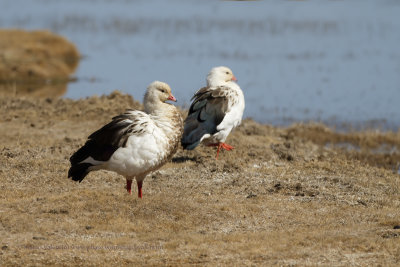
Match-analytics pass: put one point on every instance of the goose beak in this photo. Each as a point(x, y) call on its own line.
point(172, 98)
point(234, 78)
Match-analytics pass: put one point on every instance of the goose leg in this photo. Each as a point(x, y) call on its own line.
point(221, 145)
point(139, 186)
point(129, 186)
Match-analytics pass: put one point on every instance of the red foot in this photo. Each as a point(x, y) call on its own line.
point(139, 186)
point(129, 186)
point(221, 145)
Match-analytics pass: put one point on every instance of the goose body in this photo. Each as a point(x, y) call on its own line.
point(135, 142)
point(214, 112)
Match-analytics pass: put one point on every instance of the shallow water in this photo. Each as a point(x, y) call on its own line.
point(331, 61)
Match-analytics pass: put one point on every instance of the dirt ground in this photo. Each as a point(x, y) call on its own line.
point(302, 195)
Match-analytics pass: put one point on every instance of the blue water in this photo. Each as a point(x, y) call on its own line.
point(331, 61)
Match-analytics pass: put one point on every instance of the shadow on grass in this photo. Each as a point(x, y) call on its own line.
point(183, 159)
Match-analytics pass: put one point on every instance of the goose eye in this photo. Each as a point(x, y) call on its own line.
point(227, 72)
point(162, 90)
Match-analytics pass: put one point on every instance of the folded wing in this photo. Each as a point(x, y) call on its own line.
point(101, 144)
point(209, 107)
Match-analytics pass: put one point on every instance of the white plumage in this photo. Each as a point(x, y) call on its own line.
point(134, 143)
point(216, 110)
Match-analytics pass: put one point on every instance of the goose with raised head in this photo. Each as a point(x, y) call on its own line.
point(134, 143)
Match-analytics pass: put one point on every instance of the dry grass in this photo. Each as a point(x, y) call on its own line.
point(38, 63)
point(282, 197)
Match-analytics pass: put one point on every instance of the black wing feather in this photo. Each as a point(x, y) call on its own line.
point(210, 95)
point(104, 142)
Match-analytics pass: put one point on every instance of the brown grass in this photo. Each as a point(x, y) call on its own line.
point(38, 63)
point(282, 197)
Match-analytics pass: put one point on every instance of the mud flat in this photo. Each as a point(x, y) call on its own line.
point(302, 195)
point(38, 63)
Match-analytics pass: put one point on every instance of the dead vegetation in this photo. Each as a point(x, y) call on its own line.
point(303, 195)
point(37, 63)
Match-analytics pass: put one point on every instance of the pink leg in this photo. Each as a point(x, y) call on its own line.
point(129, 186)
point(221, 145)
point(139, 186)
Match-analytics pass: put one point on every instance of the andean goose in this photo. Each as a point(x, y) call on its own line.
point(134, 143)
point(216, 110)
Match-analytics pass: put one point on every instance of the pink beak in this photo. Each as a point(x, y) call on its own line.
point(234, 78)
point(172, 98)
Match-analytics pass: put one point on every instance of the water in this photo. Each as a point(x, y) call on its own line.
point(331, 61)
